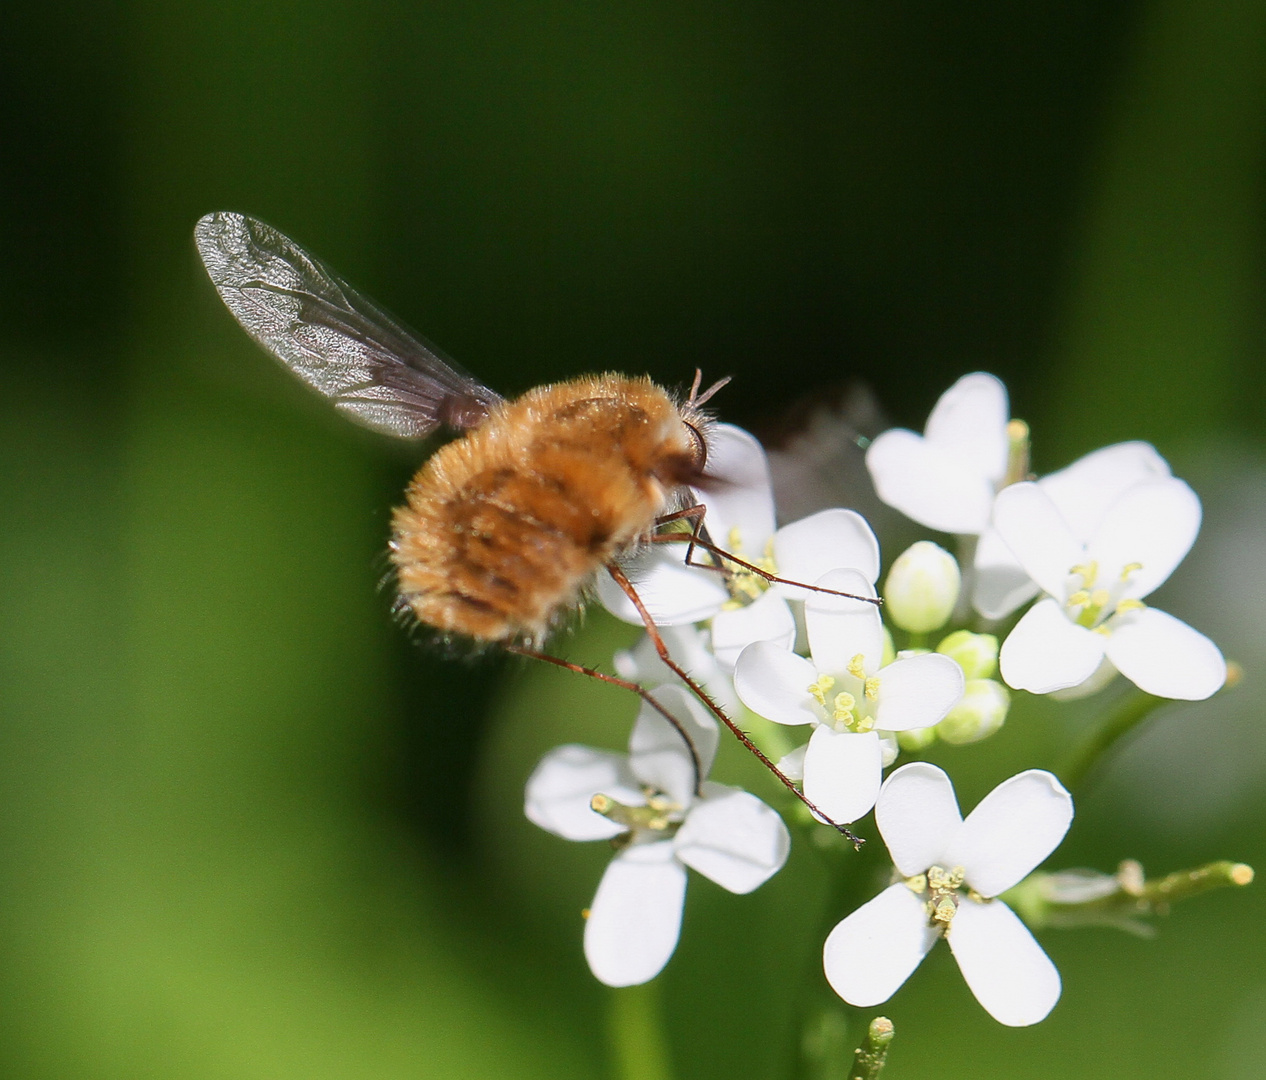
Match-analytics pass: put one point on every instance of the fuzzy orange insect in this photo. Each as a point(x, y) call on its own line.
point(505, 527)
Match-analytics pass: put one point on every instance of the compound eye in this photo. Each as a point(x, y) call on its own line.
point(700, 446)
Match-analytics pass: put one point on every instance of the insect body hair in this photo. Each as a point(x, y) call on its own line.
point(504, 529)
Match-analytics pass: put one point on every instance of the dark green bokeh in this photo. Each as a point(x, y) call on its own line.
point(246, 827)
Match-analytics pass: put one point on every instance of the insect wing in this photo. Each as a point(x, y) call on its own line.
point(334, 339)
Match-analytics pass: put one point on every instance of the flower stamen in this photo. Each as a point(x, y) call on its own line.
point(821, 687)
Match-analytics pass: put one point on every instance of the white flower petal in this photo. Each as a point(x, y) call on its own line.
point(1105, 673)
point(917, 814)
point(740, 495)
point(830, 540)
point(774, 683)
point(733, 838)
point(969, 422)
point(658, 754)
point(842, 773)
point(917, 691)
point(1164, 656)
point(927, 485)
point(1046, 651)
point(768, 618)
point(1154, 523)
point(689, 646)
point(872, 952)
point(1002, 584)
point(1011, 831)
point(1031, 525)
point(1087, 489)
point(791, 764)
point(635, 918)
point(560, 787)
point(839, 628)
point(673, 592)
point(1004, 966)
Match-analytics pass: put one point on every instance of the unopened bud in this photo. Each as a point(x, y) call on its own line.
point(922, 588)
point(916, 739)
point(976, 654)
point(979, 714)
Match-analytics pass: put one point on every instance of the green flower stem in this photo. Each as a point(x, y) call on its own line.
point(1184, 884)
point(635, 1033)
point(1042, 899)
point(1136, 708)
point(868, 1061)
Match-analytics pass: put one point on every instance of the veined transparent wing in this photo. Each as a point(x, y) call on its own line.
point(334, 339)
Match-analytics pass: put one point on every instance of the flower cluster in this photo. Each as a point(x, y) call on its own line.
point(792, 629)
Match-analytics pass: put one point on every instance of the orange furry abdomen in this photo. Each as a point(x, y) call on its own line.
point(505, 527)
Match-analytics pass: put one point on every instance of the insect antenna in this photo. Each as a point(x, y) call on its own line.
point(652, 631)
point(624, 684)
point(696, 399)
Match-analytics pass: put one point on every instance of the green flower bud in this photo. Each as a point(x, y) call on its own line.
point(917, 738)
point(977, 654)
point(922, 588)
point(978, 715)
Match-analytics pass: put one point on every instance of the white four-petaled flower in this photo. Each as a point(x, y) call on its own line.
point(953, 870)
point(739, 519)
point(662, 815)
point(1092, 621)
point(847, 693)
point(946, 478)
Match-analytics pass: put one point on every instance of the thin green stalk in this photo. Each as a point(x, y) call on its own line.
point(868, 1061)
point(639, 1050)
point(1089, 755)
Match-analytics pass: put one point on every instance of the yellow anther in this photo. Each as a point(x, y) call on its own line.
point(1100, 597)
point(918, 883)
point(942, 888)
point(942, 909)
point(1081, 596)
point(1129, 568)
point(864, 724)
point(746, 585)
point(821, 688)
point(872, 688)
point(940, 878)
point(1102, 628)
point(1087, 571)
point(1129, 604)
point(857, 666)
point(845, 703)
point(658, 801)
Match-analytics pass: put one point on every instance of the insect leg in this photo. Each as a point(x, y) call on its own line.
point(624, 684)
point(698, 538)
point(652, 631)
point(694, 513)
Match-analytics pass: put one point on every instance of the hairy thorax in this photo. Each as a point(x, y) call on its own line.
point(505, 527)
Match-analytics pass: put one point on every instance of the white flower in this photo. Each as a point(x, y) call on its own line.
point(946, 477)
point(660, 818)
point(1093, 613)
point(953, 869)
point(846, 693)
point(742, 607)
point(1084, 492)
point(691, 648)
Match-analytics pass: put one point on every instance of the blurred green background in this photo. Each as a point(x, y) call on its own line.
point(247, 828)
